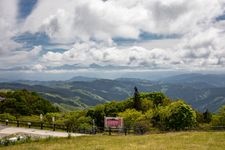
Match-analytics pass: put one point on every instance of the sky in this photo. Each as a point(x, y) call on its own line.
point(58, 39)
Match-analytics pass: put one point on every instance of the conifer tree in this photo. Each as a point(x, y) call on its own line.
point(137, 100)
point(207, 116)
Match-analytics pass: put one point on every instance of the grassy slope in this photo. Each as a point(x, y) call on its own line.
point(169, 141)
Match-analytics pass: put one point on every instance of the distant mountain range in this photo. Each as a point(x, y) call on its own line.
point(82, 78)
point(200, 91)
point(216, 80)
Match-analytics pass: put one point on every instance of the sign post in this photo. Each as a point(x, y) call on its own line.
point(41, 118)
point(115, 123)
point(53, 121)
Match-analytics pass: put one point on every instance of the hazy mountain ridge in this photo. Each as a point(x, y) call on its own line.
point(201, 93)
point(217, 80)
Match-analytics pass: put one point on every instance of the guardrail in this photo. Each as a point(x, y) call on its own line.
point(93, 130)
point(43, 125)
point(29, 124)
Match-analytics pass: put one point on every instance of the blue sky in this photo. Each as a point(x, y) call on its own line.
point(66, 38)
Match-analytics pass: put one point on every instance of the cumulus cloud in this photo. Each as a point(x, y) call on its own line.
point(8, 15)
point(89, 53)
point(197, 50)
point(84, 20)
point(204, 49)
point(92, 25)
point(22, 57)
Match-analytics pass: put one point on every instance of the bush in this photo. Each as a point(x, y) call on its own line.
point(130, 117)
point(7, 116)
point(78, 121)
point(142, 125)
point(219, 119)
point(177, 116)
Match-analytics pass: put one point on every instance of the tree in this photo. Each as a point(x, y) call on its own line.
point(130, 116)
point(146, 104)
point(219, 119)
point(178, 116)
point(78, 120)
point(207, 116)
point(98, 114)
point(142, 125)
point(23, 102)
point(137, 100)
point(153, 115)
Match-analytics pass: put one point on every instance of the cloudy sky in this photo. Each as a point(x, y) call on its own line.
point(39, 38)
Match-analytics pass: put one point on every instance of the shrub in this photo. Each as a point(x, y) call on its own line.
point(130, 117)
point(7, 116)
point(219, 119)
point(177, 116)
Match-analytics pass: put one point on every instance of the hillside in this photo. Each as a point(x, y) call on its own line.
point(23, 102)
point(201, 92)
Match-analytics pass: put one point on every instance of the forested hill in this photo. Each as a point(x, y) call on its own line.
point(23, 102)
point(201, 91)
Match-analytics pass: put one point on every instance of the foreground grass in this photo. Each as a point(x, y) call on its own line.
point(168, 141)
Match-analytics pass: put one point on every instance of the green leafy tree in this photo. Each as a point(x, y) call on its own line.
point(157, 98)
point(7, 116)
point(219, 119)
point(146, 104)
point(23, 102)
point(178, 116)
point(130, 117)
point(78, 120)
point(97, 113)
point(142, 124)
point(153, 115)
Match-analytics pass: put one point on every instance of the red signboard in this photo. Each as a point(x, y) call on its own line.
point(113, 122)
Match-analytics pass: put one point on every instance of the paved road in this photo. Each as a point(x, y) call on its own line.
point(5, 131)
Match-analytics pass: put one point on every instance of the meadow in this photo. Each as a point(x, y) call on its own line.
point(169, 141)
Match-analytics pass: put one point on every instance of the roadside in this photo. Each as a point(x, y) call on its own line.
point(7, 131)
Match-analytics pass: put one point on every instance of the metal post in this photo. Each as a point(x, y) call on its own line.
point(53, 127)
point(125, 131)
point(110, 131)
point(18, 123)
point(67, 128)
point(29, 124)
point(93, 127)
point(41, 125)
point(6, 122)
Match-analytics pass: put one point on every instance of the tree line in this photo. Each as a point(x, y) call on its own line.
point(146, 111)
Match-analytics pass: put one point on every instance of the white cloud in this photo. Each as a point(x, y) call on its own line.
point(91, 25)
point(204, 48)
point(8, 26)
point(38, 67)
point(92, 53)
point(196, 50)
point(22, 57)
point(84, 20)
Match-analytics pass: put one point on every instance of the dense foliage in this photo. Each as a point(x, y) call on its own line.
point(23, 102)
point(178, 116)
point(219, 119)
point(155, 111)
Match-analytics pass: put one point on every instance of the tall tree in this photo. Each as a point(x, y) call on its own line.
point(137, 100)
point(207, 116)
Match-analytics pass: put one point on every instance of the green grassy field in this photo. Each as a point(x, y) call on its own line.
point(165, 141)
